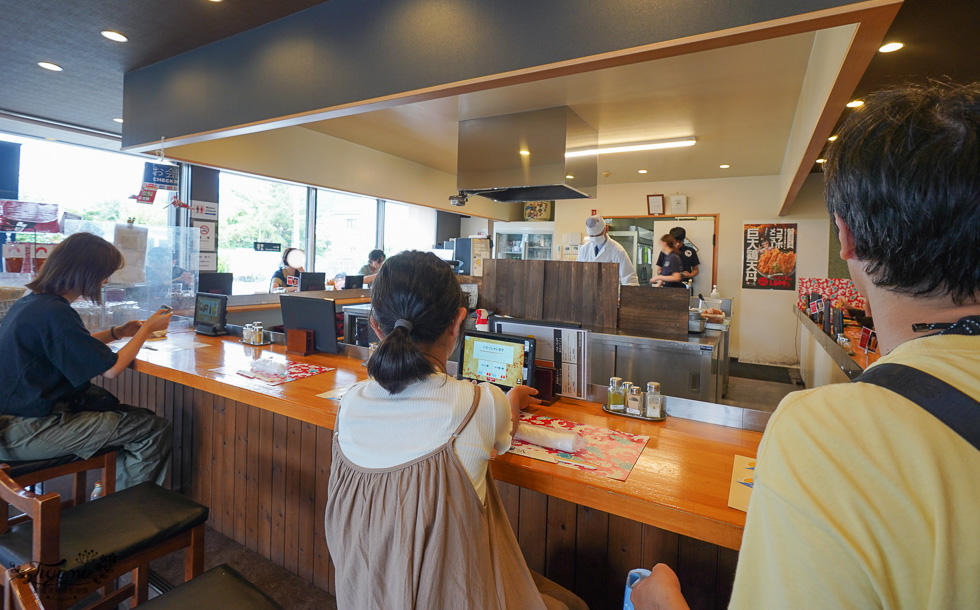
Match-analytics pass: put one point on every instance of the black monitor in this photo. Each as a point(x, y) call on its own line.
point(354, 282)
point(215, 283)
point(309, 313)
point(503, 360)
point(210, 311)
point(309, 280)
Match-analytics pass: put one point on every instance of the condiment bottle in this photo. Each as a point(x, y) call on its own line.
point(616, 397)
point(259, 331)
point(634, 401)
point(654, 404)
point(248, 334)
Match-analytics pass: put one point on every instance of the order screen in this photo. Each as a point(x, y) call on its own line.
point(207, 311)
point(494, 361)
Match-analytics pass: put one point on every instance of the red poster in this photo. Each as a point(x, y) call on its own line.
point(769, 257)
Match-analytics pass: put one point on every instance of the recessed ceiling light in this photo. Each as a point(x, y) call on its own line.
point(569, 177)
point(725, 166)
point(47, 65)
point(118, 120)
point(831, 138)
point(525, 153)
point(855, 103)
point(114, 36)
point(821, 161)
point(642, 171)
point(891, 46)
point(215, 0)
point(653, 145)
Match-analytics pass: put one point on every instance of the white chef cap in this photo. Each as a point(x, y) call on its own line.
point(595, 225)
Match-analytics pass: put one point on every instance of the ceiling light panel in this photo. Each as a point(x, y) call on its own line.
point(47, 65)
point(114, 36)
point(653, 145)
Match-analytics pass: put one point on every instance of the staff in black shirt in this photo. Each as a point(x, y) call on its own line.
point(48, 406)
point(688, 255)
point(670, 271)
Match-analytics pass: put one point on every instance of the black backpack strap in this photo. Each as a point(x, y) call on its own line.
point(957, 410)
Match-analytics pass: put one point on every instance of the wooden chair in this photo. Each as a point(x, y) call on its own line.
point(219, 587)
point(78, 550)
point(30, 473)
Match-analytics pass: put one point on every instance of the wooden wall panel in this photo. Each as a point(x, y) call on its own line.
point(658, 309)
point(265, 479)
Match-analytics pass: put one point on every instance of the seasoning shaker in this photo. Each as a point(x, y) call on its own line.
point(615, 396)
point(634, 401)
point(654, 403)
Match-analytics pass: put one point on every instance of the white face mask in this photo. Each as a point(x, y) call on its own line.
point(598, 239)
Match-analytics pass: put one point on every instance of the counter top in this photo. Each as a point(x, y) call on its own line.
point(852, 364)
point(680, 482)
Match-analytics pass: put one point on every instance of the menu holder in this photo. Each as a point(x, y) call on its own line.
point(299, 342)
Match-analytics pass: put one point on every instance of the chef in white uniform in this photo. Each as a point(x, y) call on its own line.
point(603, 249)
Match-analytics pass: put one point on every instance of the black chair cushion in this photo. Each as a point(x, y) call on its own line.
point(97, 534)
point(219, 587)
point(19, 469)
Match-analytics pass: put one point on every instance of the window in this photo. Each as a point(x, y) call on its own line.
point(408, 227)
point(90, 183)
point(346, 231)
point(255, 209)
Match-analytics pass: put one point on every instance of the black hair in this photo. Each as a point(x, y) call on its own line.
point(421, 288)
point(904, 176)
point(377, 256)
point(669, 240)
point(80, 264)
point(679, 233)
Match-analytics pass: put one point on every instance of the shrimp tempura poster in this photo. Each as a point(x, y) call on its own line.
point(769, 257)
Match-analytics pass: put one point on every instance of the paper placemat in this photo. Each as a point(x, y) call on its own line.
point(334, 394)
point(743, 477)
point(294, 371)
point(167, 346)
point(609, 453)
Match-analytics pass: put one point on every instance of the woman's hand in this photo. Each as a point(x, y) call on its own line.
point(158, 321)
point(128, 329)
point(520, 397)
point(659, 591)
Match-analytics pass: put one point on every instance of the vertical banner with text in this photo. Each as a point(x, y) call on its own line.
point(769, 257)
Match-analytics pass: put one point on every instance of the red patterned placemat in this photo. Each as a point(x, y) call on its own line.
point(609, 453)
point(294, 371)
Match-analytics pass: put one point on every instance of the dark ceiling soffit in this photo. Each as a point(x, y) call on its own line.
point(338, 55)
point(62, 126)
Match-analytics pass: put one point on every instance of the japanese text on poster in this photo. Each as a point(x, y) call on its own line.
point(769, 257)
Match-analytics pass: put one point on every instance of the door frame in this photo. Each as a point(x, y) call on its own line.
point(714, 245)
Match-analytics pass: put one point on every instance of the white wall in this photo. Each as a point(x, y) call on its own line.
point(764, 326)
point(474, 225)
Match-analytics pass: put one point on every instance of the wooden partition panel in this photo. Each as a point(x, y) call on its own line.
point(563, 291)
point(264, 477)
point(663, 310)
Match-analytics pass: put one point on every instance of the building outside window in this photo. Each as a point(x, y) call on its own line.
point(257, 210)
point(408, 227)
point(346, 231)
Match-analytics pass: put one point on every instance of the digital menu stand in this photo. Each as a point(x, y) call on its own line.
point(210, 314)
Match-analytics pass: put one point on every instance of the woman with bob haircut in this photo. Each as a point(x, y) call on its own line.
point(413, 519)
point(48, 406)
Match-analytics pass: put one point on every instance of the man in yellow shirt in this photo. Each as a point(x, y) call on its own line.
point(862, 498)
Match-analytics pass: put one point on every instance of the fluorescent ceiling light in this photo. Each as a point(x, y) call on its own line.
point(47, 65)
point(525, 152)
point(891, 46)
point(569, 177)
point(642, 171)
point(653, 145)
point(114, 36)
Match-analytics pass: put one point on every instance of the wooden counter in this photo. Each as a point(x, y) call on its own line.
point(259, 455)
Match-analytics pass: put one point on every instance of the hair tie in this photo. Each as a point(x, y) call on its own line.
point(403, 323)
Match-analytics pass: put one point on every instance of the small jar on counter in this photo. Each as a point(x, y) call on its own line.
point(248, 334)
point(654, 403)
point(634, 401)
point(616, 398)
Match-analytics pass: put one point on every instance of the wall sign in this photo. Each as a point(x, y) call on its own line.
point(204, 210)
point(267, 246)
point(769, 257)
point(207, 230)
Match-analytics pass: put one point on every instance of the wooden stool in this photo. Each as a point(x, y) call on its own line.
point(86, 547)
point(219, 587)
point(30, 473)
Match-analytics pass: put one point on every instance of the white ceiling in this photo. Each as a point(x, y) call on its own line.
point(739, 101)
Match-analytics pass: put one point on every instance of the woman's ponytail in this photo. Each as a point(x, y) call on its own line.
point(414, 300)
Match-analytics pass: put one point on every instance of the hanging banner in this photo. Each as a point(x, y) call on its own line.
point(769, 257)
point(161, 176)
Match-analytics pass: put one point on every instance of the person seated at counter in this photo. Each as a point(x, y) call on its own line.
point(48, 406)
point(688, 255)
point(287, 275)
point(865, 494)
point(670, 270)
point(603, 249)
point(376, 258)
point(413, 519)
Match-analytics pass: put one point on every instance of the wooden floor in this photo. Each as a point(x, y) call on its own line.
point(265, 475)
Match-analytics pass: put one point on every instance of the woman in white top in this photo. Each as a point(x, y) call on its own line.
point(411, 445)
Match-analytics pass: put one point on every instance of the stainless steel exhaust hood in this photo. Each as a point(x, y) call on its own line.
point(521, 156)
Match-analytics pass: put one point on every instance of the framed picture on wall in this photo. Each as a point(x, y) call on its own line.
point(655, 205)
